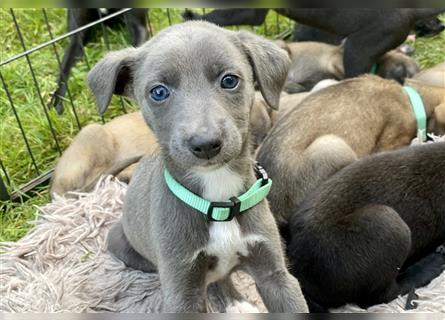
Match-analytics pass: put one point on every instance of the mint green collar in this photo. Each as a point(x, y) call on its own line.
point(222, 211)
point(419, 111)
point(374, 68)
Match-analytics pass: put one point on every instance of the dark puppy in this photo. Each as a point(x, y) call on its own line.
point(303, 32)
point(423, 28)
point(355, 239)
point(136, 21)
point(369, 32)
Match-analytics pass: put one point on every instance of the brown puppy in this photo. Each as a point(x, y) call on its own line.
point(116, 147)
point(315, 61)
point(290, 101)
point(333, 127)
point(112, 148)
point(434, 76)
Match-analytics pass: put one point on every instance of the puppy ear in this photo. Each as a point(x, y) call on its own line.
point(110, 75)
point(270, 65)
point(397, 66)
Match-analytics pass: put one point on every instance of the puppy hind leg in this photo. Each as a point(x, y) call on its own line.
point(351, 257)
point(324, 157)
point(126, 174)
point(375, 244)
point(118, 245)
point(393, 248)
point(89, 155)
point(292, 182)
point(332, 151)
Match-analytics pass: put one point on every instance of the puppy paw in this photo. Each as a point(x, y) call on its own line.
point(242, 307)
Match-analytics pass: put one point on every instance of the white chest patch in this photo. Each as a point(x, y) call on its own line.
point(226, 240)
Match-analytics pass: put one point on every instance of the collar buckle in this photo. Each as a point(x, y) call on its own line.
point(261, 174)
point(234, 209)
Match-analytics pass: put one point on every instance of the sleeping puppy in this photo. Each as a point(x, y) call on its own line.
point(434, 76)
point(368, 234)
point(113, 148)
point(116, 148)
point(315, 61)
point(336, 125)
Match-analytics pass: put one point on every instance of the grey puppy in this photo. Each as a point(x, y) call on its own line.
point(195, 85)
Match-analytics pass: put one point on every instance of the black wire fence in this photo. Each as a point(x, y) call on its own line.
point(157, 19)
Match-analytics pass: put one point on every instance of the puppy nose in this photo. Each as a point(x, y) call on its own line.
point(205, 147)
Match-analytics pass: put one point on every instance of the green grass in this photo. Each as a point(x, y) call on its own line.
point(13, 152)
point(430, 51)
point(17, 217)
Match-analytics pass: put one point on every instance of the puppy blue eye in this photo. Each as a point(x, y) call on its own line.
point(159, 93)
point(229, 81)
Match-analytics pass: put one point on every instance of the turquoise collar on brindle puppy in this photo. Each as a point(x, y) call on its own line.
point(419, 111)
point(222, 211)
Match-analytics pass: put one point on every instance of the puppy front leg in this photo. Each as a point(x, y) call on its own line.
point(279, 290)
point(183, 285)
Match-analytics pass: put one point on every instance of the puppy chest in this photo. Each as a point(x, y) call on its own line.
point(226, 244)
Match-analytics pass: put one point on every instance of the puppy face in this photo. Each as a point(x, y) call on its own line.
point(397, 66)
point(429, 27)
point(199, 102)
point(312, 62)
point(194, 84)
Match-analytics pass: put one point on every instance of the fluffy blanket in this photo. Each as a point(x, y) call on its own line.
point(61, 265)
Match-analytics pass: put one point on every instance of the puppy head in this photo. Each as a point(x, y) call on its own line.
point(313, 62)
point(397, 66)
point(195, 85)
point(429, 27)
